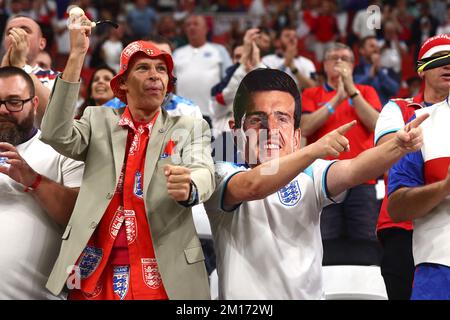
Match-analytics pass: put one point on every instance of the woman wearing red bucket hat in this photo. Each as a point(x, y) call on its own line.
point(131, 234)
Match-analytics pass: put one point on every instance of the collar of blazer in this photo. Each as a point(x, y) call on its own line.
point(154, 148)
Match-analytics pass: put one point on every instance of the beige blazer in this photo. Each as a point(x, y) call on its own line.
point(100, 142)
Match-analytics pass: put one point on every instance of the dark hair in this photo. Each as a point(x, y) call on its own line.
point(286, 27)
point(363, 41)
point(265, 79)
point(89, 101)
point(156, 38)
point(6, 72)
point(28, 17)
point(263, 29)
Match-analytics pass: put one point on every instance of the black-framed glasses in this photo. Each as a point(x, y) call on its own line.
point(14, 105)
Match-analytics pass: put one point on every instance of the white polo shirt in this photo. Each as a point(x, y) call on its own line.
point(271, 248)
point(29, 239)
point(304, 65)
point(198, 70)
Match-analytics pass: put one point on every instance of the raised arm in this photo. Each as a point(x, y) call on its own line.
point(289, 62)
point(365, 112)
point(374, 162)
point(58, 127)
point(311, 122)
point(262, 180)
point(16, 56)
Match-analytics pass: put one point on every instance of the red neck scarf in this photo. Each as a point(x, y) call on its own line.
point(124, 228)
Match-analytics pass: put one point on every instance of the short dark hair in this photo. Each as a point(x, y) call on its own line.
point(363, 41)
point(27, 17)
point(156, 38)
point(265, 79)
point(286, 27)
point(6, 72)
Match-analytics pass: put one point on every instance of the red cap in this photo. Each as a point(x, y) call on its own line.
point(150, 50)
point(434, 44)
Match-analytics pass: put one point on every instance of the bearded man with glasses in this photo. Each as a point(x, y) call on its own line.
point(37, 186)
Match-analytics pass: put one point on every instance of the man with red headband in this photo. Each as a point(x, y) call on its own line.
point(397, 265)
point(131, 234)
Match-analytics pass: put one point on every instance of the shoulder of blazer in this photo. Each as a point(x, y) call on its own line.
point(178, 122)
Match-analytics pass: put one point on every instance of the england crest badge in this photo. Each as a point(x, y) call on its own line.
point(89, 261)
point(290, 194)
point(121, 281)
point(130, 225)
point(150, 273)
point(138, 191)
point(116, 223)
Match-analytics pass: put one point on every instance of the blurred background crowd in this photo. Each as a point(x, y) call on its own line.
point(404, 26)
point(216, 42)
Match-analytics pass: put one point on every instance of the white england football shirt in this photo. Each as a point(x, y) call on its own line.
point(271, 248)
point(198, 70)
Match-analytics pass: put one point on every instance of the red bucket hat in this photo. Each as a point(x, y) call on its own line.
point(150, 50)
point(434, 44)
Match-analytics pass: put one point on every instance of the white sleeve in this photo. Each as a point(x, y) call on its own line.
point(72, 172)
point(225, 60)
point(229, 92)
point(320, 170)
point(196, 113)
point(270, 61)
point(223, 174)
point(306, 67)
point(390, 120)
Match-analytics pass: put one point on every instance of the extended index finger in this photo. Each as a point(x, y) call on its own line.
point(416, 122)
point(344, 128)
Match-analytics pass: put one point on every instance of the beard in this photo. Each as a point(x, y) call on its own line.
point(13, 132)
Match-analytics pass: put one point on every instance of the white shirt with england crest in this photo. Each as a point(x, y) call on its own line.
point(271, 248)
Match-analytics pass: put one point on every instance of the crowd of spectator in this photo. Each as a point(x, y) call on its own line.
point(403, 26)
point(347, 57)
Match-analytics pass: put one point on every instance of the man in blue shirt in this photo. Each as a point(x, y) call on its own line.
point(369, 71)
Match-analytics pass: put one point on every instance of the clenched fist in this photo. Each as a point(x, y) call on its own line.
point(178, 182)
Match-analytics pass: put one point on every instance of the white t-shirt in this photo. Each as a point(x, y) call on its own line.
point(198, 70)
point(304, 65)
point(29, 239)
point(361, 23)
point(391, 57)
point(112, 51)
point(271, 248)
